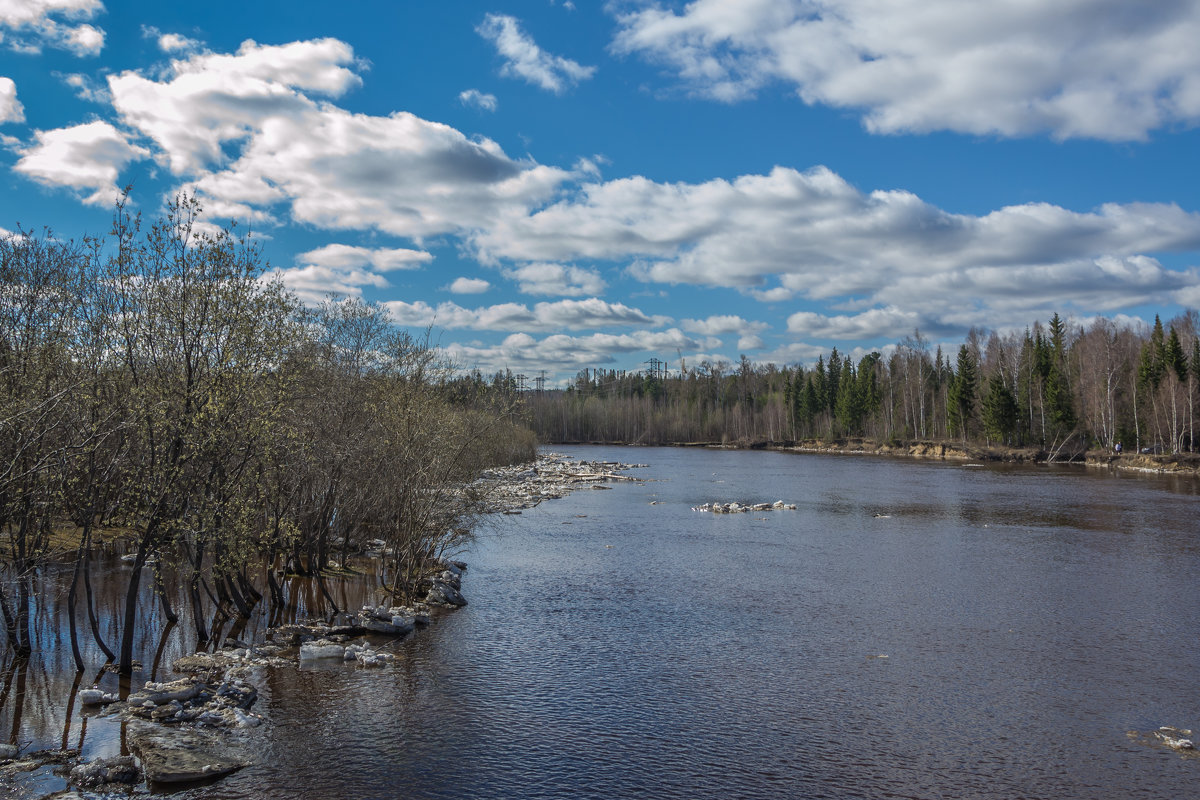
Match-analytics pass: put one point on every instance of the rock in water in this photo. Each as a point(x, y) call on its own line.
point(444, 594)
point(103, 772)
point(321, 649)
point(181, 755)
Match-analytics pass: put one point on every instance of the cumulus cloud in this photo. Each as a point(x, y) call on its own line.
point(344, 256)
point(562, 353)
point(174, 43)
point(556, 279)
point(524, 59)
point(750, 342)
point(890, 322)
point(811, 234)
point(1102, 69)
point(343, 270)
point(468, 286)
point(258, 136)
point(721, 325)
point(559, 315)
point(87, 158)
point(314, 283)
point(247, 131)
point(213, 99)
point(478, 99)
point(54, 23)
point(11, 109)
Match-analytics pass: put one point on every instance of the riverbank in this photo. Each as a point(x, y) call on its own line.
point(203, 702)
point(1177, 463)
point(1180, 463)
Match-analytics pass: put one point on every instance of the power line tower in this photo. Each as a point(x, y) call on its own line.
point(521, 382)
point(658, 368)
point(539, 382)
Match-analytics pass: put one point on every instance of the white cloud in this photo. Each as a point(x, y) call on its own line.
point(556, 279)
point(750, 342)
point(816, 236)
point(83, 40)
point(38, 22)
point(174, 43)
point(561, 353)
point(315, 283)
point(559, 315)
point(1101, 69)
point(468, 286)
point(11, 109)
point(779, 294)
point(85, 88)
point(524, 59)
point(478, 99)
point(170, 42)
point(873, 324)
point(247, 133)
point(214, 99)
point(722, 324)
point(343, 270)
point(86, 157)
point(344, 256)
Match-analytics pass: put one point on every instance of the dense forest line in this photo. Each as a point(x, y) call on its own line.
point(154, 386)
point(1059, 388)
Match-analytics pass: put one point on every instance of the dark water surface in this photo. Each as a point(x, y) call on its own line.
point(997, 633)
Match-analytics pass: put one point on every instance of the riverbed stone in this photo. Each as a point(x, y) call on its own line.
point(322, 648)
point(159, 693)
point(105, 772)
point(182, 755)
point(443, 594)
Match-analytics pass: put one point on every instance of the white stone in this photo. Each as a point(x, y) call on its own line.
point(91, 697)
point(321, 649)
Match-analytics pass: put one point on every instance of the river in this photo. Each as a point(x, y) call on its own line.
point(913, 629)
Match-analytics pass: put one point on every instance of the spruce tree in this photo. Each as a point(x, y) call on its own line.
point(834, 383)
point(849, 405)
point(960, 399)
point(999, 411)
point(1174, 358)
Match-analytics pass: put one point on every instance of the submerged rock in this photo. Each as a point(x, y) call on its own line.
point(159, 693)
point(741, 508)
point(103, 773)
point(322, 648)
point(1175, 738)
point(444, 594)
point(182, 755)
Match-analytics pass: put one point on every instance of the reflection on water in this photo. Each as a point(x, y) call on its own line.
point(912, 629)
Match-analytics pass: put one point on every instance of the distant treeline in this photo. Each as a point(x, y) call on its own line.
point(1054, 387)
point(154, 386)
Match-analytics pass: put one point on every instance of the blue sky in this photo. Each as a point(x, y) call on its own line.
point(556, 185)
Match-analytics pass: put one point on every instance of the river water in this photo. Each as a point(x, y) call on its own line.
point(912, 629)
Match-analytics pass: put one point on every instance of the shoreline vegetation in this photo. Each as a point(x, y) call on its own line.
point(1123, 396)
point(156, 385)
point(176, 727)
point(1179, 463)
